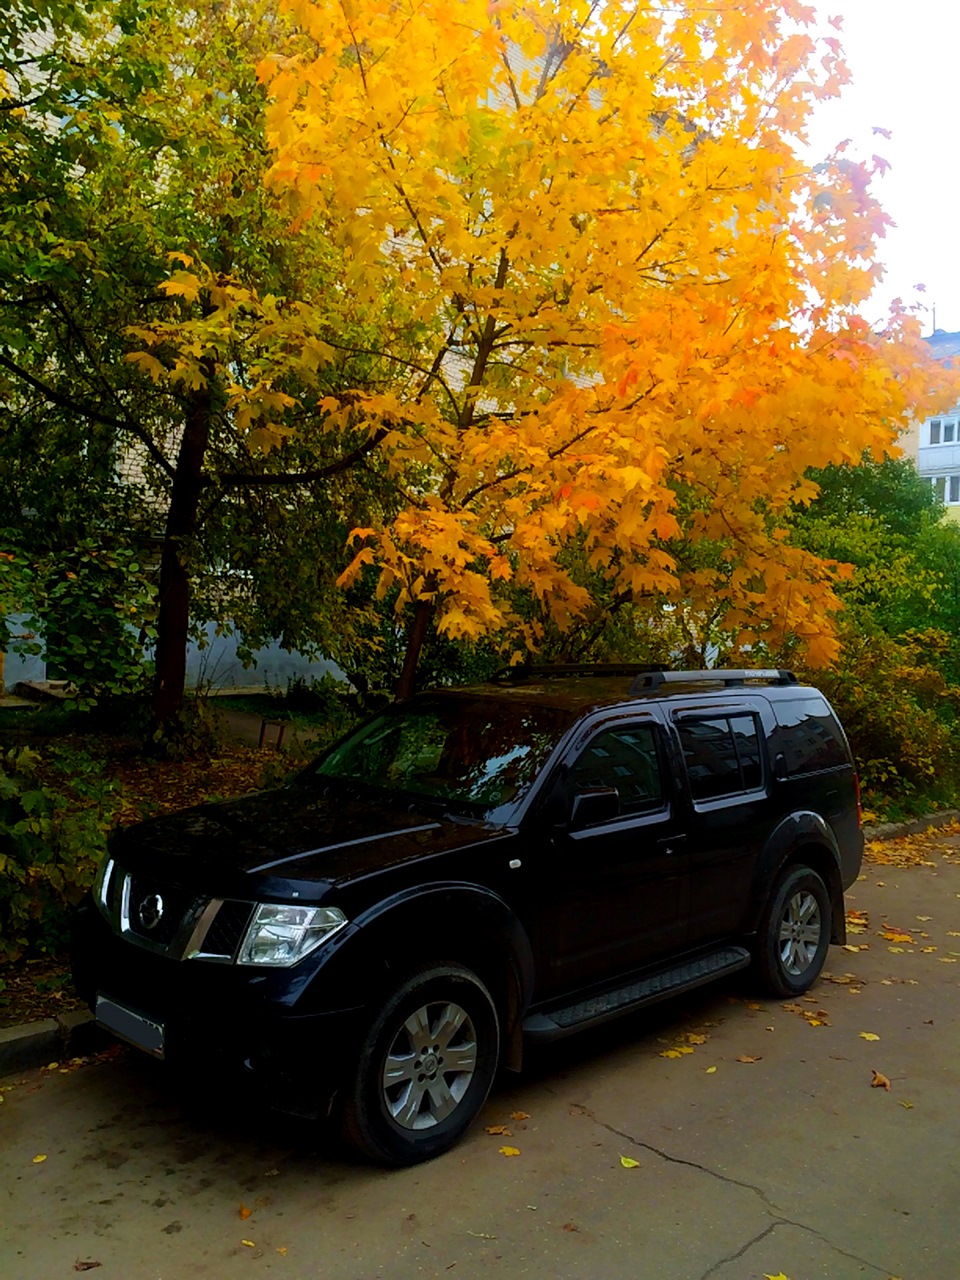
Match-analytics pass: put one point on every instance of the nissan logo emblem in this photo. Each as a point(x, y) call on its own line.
point(150, 911)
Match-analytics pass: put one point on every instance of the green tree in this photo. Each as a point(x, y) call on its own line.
point(133, 149)
point(895, 682)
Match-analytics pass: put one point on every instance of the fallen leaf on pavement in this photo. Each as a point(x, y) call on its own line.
point(282, 1250)
point(39, 1159)
point(509, 1151)
point(745, 1057)
point(880, 1081)
point(908, 1106)
point(628, 1162)
point(711, 1070)
point(481, 1235)
point(248, 1243)
point(81, 1265)
point(778, 1276)
point(498, 1131)
point(570, 1226)
point(245, 1212)
point(868, 1035)
point(519, 1115)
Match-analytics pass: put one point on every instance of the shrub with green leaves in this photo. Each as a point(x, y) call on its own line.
point(55, 812)
point(901, 716)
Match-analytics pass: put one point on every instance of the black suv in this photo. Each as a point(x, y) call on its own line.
point(472, 869)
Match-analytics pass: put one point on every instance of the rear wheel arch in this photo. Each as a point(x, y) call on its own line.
point(802, 840)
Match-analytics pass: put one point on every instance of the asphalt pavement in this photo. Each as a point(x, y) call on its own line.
point(765, 1140)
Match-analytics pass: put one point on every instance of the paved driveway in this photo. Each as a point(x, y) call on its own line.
point(790, 1163)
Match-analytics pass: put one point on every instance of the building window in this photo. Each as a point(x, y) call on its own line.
point(944, 430)
point(947, 489)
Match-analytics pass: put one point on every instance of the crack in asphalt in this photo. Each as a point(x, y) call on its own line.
point(801, 1226)
point(769, 1205)
point(692, 1164)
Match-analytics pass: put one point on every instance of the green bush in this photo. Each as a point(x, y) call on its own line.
point(55, 812)
point(901, 716)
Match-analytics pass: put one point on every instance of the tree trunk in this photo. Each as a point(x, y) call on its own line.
point(173, 616)
point(423, 612)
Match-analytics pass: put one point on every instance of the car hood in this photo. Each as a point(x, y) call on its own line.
point(295, 833)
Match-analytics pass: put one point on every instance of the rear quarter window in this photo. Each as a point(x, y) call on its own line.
point(808, 735)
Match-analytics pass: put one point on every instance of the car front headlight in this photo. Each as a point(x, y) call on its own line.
point(282, 935)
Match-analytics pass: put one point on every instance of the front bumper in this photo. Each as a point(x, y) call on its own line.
point(224, 1019)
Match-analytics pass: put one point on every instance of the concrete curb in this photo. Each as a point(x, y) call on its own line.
point(35, 1044)
point(891, 830)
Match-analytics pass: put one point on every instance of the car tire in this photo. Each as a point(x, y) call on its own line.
point(794, 933)
point(425, 1068)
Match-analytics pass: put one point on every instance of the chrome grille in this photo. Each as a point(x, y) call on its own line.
point(226, 930)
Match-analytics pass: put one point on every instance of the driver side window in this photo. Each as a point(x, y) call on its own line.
point(625, 758)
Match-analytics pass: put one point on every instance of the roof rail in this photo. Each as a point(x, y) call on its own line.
point(719, 675)
point(556, 670)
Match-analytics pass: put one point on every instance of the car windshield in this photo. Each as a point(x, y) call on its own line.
point(472, 754)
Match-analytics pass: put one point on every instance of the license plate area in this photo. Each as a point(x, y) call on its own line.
point(131, 1026)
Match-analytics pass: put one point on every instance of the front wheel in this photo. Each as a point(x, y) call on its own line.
point(794, 933)
point(425, 1068)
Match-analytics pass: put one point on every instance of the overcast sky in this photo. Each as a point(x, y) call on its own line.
point(904, 56)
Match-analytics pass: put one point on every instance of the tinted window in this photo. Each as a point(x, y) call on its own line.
point(471, 754)
point(809, 737)
point(625, 758)
point(722, 755)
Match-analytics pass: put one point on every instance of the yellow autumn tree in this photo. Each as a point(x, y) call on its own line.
point(616, 310)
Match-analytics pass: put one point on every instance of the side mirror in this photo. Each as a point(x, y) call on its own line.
point(593, 806)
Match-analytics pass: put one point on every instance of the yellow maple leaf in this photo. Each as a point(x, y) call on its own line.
point(509, 1151)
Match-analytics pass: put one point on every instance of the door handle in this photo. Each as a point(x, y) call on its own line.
point(669, 844)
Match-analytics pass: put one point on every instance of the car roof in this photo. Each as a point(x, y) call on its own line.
point(594, 690)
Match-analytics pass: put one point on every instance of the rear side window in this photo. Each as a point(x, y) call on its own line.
point(809, 737)
point(722, 755)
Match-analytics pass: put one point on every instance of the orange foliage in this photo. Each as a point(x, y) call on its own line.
point(614, 305)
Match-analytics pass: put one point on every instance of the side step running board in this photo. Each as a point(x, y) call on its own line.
point(553, 1024)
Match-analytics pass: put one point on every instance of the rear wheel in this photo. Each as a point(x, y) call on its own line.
point(794, 934)
point(425, 1068)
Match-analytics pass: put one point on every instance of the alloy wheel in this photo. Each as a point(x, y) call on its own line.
point(800, 932)
point(429, 1065)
